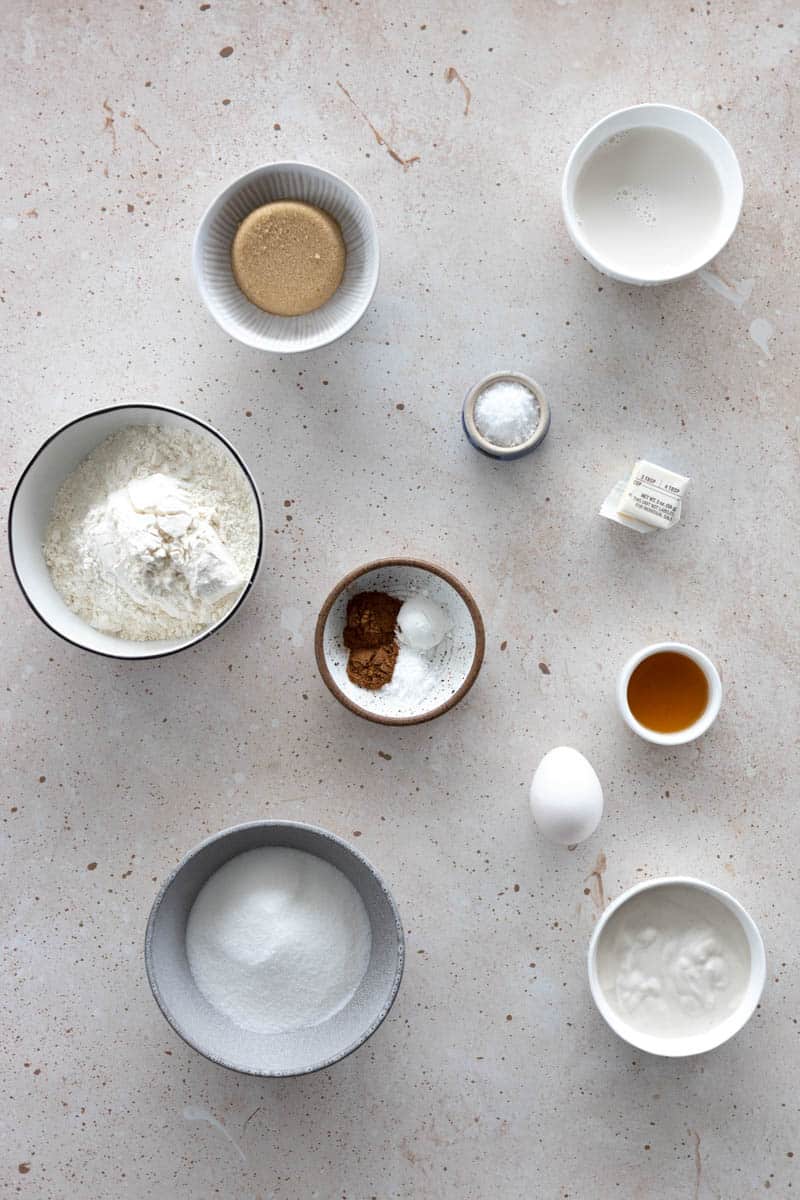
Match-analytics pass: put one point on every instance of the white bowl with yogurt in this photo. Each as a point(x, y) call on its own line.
point(39, 488)
point(651, 194)
point(676, 966)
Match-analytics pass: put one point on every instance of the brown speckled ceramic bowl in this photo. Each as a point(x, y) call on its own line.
point(453, 665)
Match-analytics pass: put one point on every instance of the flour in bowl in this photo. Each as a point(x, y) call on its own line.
point(154, 535)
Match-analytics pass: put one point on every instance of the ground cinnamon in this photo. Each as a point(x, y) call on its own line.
point(372, 667)
point(369, 635)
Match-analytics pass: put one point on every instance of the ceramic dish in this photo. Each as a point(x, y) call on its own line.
point(679, 120)
point(211, 258)
point(454, 663)
point(698, 727)
point(211, 1033)
point(32, 504)
point(681, 1047)
point(506, 453)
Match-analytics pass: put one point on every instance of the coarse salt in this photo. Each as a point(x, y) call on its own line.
point(506, 413)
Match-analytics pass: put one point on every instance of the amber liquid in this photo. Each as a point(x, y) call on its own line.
point(667, 692)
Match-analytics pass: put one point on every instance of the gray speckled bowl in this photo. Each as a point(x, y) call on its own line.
point(214, 1035)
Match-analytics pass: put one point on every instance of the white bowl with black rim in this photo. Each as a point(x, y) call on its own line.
point(32, 504)
point(213, 270)
point(212, 1033)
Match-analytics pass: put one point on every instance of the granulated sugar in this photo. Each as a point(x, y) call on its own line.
point(278, 939)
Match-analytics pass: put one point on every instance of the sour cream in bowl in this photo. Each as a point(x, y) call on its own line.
point(676, 966)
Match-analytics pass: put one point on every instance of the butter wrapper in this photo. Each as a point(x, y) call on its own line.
point(650, 499)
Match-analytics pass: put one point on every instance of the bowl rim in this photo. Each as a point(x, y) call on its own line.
point(382, 564)
point(701, 1043)
point(507, 453)
point(325, 835)
point(568, 211)
point(680, 737)
point(211, 210)
point(204, 633)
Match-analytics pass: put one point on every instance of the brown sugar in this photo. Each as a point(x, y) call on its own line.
point(288, 257)
point(369, 636)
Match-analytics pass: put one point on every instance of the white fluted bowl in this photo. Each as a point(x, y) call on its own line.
point(211, 258)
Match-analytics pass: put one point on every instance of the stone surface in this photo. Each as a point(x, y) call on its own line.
point(494, 1075)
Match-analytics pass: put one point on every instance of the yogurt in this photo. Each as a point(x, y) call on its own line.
point(673, 961)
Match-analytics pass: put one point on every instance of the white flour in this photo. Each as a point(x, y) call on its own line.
point(154, 534)
point(278, 939)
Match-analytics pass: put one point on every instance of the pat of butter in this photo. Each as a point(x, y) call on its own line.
point(651, 498)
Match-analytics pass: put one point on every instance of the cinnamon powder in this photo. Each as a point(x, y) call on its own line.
point(369, 636)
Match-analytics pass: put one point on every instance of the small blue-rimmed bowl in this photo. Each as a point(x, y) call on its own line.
point(481, 443)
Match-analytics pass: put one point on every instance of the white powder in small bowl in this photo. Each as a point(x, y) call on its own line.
point(412, 679)
point(506, 413)
point(278, 939)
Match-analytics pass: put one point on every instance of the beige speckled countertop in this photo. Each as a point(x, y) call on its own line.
point(493, 1076)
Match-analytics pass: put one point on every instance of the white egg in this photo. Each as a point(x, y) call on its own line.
point(566, 797)
point(422, 623)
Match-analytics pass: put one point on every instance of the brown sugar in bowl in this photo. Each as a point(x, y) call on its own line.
point(213, 268)
point(288, 257)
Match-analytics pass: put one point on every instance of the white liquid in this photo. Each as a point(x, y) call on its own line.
point(673, 962)
point(648, 203)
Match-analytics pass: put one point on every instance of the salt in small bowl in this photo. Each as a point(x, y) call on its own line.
point(476, 438)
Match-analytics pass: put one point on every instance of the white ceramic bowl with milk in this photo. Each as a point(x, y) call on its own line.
point(676, 966)
point(651, 194)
